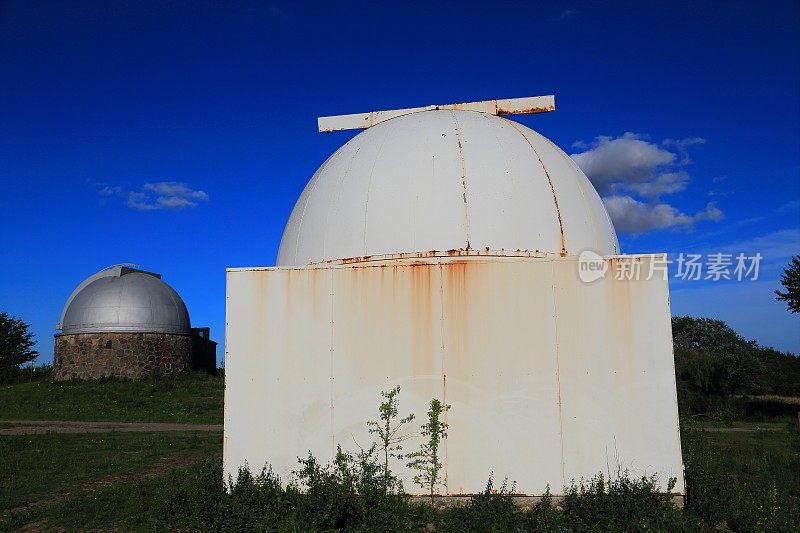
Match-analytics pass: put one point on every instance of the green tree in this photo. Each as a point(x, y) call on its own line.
point(715, 359)
point(389, 432)
point(16, 342)
point(427, 460)
point(791, 282)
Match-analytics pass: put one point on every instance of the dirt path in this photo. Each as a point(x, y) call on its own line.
point(25, 427)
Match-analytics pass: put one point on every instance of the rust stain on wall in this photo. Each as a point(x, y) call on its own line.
point(424, 346)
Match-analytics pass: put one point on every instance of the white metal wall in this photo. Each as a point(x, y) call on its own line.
point(550, 379)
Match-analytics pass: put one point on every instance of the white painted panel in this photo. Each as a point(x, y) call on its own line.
point(277, 375)
point(550, 379)
point(617, 375)
point(386, 332)
point(500, 362)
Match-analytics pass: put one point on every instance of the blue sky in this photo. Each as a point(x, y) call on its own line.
point(686, 117)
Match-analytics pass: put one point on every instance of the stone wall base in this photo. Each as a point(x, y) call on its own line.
point(130, 355)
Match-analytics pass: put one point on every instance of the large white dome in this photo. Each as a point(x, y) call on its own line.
point(442, 180)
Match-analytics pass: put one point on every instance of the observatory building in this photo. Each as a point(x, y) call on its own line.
point(127, 323)
point(465, 257)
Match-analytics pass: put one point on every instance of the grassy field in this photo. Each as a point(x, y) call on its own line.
point(743, 476)
point(120, 507)
point(40, 467)
point(744, 480)
point(189, 398)
point(124, 480)
point(42, 475)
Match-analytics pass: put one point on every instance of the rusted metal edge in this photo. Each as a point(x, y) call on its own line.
point(508, 106)
point(433, 254)
point(461, 252)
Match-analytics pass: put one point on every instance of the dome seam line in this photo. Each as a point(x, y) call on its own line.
point(615, 243)
point(369, 188)
point(463, 176)
point(335, 202)
point(552, 188)
point(593, 229)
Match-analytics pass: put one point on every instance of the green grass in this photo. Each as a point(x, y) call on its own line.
point(194, 500)
point(124, 507)
point(746, 481)
point(55, 466)
point(190, 398)
point(776, 452)
point(744, 424)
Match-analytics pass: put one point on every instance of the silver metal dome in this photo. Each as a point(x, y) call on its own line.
point(124, 299)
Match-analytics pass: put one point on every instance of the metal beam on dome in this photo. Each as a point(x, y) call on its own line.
point(510, 106)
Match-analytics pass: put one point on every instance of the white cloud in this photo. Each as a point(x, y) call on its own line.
point(110, 191)
point(568, 13)
point(683, 144)
point(580, 145)
point(632, 216)
point(174, 202)
point(613, 162)
point(666, 183)
point(632, 174)
point(158, 195)
point(174, 189)
point(711, 212)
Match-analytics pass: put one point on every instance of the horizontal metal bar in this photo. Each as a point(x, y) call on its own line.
point(508, 106)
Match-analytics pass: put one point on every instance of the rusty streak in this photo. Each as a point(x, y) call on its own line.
point(530, 111)
point(453, 252)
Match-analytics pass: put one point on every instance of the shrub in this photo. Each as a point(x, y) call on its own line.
point(390, 433)
point(347, 495)
point(426, 461)
point(495, 510)
point(622, 503)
